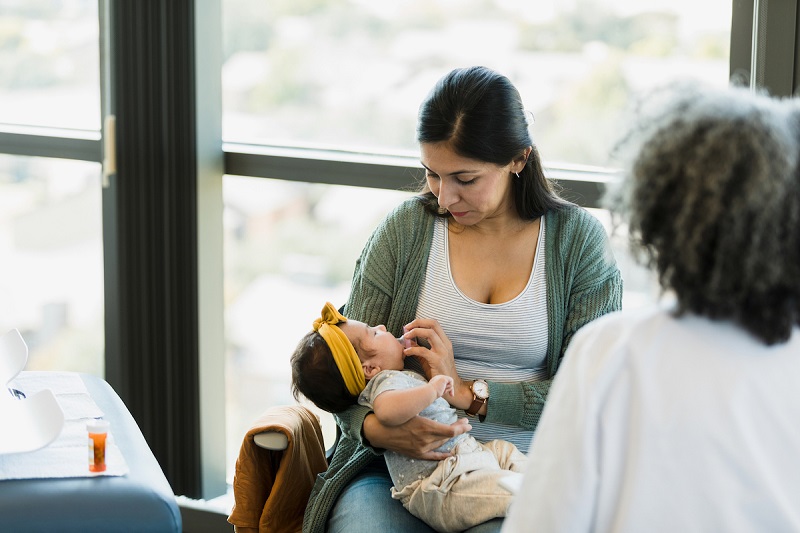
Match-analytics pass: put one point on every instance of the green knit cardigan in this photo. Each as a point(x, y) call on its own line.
point(583, 283)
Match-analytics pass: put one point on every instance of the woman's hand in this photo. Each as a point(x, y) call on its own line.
point(437, 357)
point(417, 438)
point(438, 360)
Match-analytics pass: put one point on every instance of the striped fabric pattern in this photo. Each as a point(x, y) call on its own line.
point(504, 342)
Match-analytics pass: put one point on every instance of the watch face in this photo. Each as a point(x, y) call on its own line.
point(481, 389)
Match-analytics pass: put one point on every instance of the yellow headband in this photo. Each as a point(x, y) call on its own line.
point(344, 354)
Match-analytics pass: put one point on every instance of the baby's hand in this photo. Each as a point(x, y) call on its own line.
point(442, 385)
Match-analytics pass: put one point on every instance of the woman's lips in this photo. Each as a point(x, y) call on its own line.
point(459, 214)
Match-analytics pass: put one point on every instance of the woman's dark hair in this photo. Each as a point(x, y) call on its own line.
point(316, 376)
point(712, 195)
point(480, 114)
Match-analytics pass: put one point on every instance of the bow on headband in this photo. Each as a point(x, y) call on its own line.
point(344, 354)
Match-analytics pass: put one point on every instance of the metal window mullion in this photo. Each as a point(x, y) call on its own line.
point(775, 28)
point(82, 146)
point(582, 187)
point(764, 43)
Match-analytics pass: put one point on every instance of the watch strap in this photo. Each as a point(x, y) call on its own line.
point(477, 403)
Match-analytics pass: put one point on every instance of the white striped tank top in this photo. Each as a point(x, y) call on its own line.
point(504, 342)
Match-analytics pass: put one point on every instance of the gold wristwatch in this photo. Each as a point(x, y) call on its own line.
point(480, 395)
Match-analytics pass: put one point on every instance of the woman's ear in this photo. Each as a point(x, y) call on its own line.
point(370, 370)
point(519, 163)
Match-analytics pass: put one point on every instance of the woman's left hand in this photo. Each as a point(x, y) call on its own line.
point(437, 360)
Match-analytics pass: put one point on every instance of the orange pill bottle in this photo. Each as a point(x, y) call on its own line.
point(98, 431)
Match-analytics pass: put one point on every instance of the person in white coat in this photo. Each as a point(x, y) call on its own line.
point(686, 416)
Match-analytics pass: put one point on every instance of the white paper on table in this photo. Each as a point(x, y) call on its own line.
point(61, 462)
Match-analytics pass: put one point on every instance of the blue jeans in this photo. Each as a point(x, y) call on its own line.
point(366, 506)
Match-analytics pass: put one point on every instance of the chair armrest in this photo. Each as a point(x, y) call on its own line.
point(271, 440)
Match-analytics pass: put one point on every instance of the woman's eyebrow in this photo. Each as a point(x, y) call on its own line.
point(456, 173)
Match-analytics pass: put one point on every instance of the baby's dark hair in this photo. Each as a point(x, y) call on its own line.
point(316, 376)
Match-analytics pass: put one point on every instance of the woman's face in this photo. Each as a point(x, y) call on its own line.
point(471, 190)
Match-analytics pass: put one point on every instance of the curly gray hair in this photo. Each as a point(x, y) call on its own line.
point(711, 192)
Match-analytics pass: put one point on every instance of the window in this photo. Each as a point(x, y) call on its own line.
point(351, 74)
point(51, 274)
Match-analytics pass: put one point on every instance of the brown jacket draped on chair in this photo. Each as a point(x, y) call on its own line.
point(271, 488)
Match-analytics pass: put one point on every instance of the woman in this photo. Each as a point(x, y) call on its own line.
point(688, 417)
point(488, 244)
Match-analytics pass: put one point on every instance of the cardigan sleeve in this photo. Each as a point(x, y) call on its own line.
point(589, 286)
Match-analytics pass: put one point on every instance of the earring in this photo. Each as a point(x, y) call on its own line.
point(516, 174)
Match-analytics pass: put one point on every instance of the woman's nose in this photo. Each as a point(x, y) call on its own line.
point(381, 327)
point(446, 195)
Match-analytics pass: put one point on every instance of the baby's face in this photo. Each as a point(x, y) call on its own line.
point(374, 344)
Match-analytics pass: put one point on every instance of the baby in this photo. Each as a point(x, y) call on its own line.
point(344, 362)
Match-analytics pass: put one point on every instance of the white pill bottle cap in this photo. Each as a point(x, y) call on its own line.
point(97, 426)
